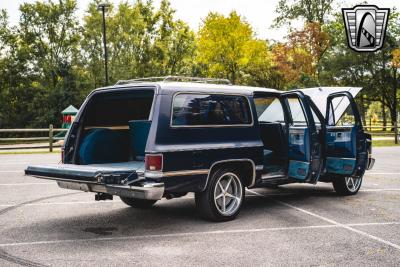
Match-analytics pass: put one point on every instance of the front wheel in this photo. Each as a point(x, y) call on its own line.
point(223, 197)
point(138, 203)
point(346, 186)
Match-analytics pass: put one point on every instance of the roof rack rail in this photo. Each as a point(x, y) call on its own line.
point(175, 79)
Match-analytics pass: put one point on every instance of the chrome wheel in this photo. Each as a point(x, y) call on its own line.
point(228, 194)
point(353, 184)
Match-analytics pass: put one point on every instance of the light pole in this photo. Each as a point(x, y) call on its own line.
point(102, 8)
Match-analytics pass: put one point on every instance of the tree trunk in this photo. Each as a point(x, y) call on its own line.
point(393, 108)
point(393, 117)
point(383, 116)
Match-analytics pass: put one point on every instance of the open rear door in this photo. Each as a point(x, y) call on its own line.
point(304, 145)
point(346, 151)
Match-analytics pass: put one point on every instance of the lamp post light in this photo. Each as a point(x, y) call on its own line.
point(102, 8)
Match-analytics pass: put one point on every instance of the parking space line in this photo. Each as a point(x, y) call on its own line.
point(12, 171)
point(388, 243)
point(167, 235)
point(382, 173)
point(236, 231)
point(379, 189)
point(24, 184)
point(25, 163)
point(254, 194)
point(14, 163)
point(59, 203)
point(373, 224)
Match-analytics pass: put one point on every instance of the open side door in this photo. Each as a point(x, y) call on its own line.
point(304, 153)
point(319, 96)
point(346, 150)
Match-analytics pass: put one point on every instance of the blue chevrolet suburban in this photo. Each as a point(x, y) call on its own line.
point(154, 138)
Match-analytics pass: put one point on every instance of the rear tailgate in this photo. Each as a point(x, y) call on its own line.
point(112, 173)
point(124, 179)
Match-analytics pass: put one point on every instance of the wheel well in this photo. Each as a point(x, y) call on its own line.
point(244, 168)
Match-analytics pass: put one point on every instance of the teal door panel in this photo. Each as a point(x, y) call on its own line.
point(344, 137)
point(303, 152)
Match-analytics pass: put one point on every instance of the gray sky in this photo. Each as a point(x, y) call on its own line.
point(259, 13)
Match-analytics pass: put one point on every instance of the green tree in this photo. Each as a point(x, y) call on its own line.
point(309, 10)
point(174, 45)
point(49, 34)
point(141, 42)
point(375, 72)
point(227, 48)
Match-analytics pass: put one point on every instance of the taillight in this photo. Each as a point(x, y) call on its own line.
point(153, 162)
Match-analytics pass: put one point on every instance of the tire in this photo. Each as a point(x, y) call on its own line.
point(346, 186)
point(138, 203)
point(222, 199)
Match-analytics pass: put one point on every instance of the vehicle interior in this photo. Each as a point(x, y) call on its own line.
point(286, 145)
point(115, 127)
point(273, 134)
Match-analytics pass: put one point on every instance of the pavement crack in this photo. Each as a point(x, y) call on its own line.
point(8, 209)
point(18, 260)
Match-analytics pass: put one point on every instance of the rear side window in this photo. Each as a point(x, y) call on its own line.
point(210, 110)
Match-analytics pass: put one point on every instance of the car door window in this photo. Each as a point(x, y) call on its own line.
point(346, 118)
point(297, 112)
point(316, 119)
point(269, 109)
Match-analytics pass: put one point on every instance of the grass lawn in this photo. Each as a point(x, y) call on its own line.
point(376, 143)
point(28, 152)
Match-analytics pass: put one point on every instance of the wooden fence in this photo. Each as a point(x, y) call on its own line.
point(50, 138)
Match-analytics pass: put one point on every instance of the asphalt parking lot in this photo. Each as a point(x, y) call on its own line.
point(43, 225)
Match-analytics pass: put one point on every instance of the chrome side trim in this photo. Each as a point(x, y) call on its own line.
point(210, 126)
point(266, 176)
point(340, 158)
point(150, 174)
point(232, 160)
point(203, 147)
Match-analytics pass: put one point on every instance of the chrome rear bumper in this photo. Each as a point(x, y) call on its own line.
point(151, 191)
point(146, 190)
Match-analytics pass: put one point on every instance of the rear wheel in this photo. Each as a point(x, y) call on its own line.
point(138, 203)
point(346, 185)
point(223, 197)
